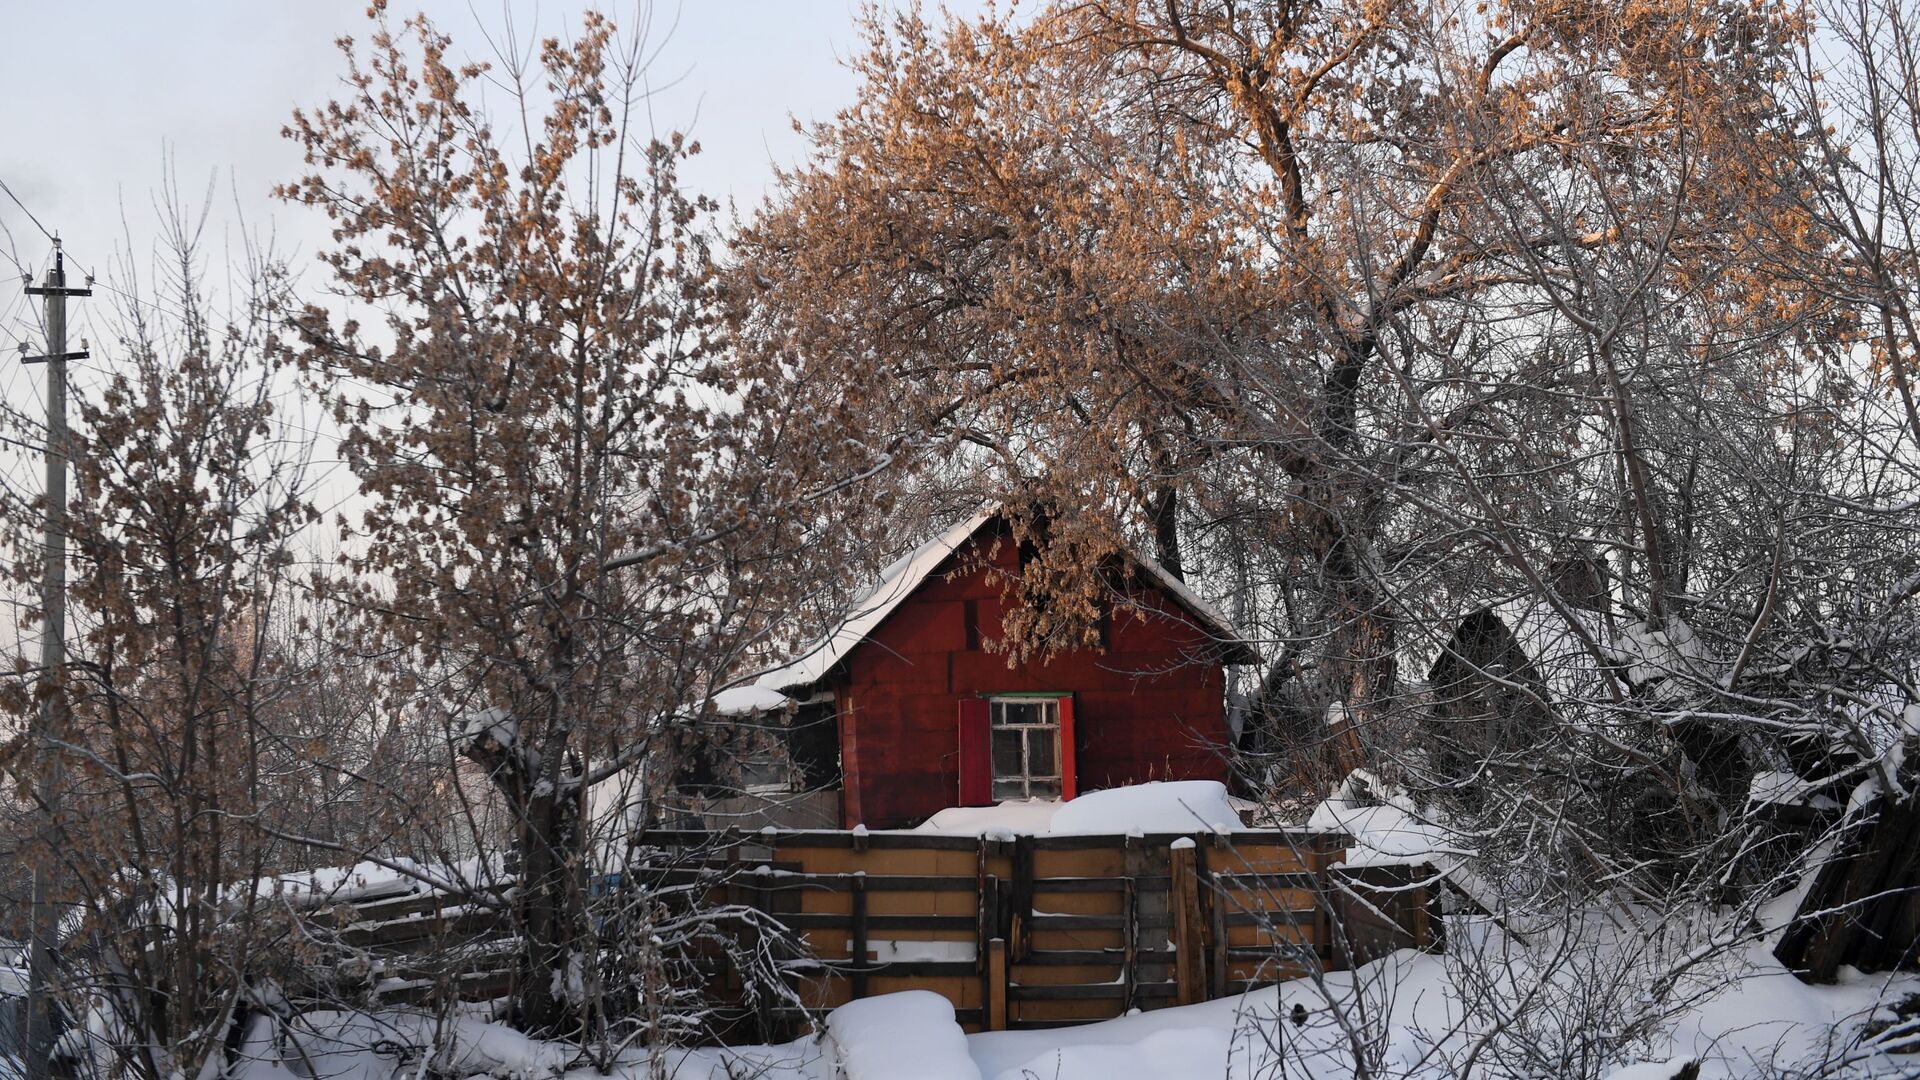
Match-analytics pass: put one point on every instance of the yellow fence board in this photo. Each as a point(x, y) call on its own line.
point(933, 930)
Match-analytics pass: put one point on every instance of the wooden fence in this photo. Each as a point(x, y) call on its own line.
point(1017, 933)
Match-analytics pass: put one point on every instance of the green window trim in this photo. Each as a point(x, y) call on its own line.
point(1025, 695)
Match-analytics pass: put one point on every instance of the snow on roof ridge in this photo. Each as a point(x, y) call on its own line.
point(902, 576)
point(1222, 626)
point(897, 582)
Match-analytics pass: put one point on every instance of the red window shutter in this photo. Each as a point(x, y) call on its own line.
point(976, 753)
point(1069, 785)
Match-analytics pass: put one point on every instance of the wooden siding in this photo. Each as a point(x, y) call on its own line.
point(1149, 707)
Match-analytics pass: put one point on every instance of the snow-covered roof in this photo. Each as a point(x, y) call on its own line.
point(1787, 789)
point(1211, 617)
point(747, 700)
point(899, 580)
point(1668, 663)
point(1560, 658)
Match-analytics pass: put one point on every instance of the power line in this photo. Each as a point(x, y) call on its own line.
point(23, 209)
point(44, 231)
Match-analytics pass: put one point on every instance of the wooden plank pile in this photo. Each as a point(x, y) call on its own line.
point(402, 941)
point(1863, 906)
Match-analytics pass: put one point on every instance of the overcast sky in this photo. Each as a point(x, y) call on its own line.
point(96, 95)
point(96, 91)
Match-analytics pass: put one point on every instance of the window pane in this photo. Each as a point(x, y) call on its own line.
point(1044, 789)
point(1006, 753)
point(764, 773)
point(1018, 712)
point(1040, 755)
point(1014, 788)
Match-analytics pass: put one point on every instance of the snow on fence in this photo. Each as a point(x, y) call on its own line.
point(1033, 931)
point(394, 938)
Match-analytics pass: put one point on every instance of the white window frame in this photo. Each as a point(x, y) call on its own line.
point(1052, 785)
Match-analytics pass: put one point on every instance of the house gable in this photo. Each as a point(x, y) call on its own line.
point(1159, 596)
point(1150, 706)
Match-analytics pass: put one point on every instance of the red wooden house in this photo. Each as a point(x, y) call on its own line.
point(910, 713)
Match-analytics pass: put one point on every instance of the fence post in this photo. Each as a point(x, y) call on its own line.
point(1023, 858)
point(985, 924)
point(1421, 930)
point(1134, 861)
point(1189, 935)
point(996, 1003)
point(1219, 967)
point(859, 950)
point(1333, 928)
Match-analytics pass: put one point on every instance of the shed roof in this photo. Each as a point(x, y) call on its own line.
point(1668, 663)
point(899, 580)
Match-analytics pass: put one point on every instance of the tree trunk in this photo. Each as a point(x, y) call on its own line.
point(550, 908)
point(1359, 662)
point(1166, 530)
point(553, 926)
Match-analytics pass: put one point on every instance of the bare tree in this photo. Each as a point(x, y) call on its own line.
point(581, 510)
point(174, 763)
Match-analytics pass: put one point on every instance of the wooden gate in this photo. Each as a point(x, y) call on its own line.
point(1040, 931)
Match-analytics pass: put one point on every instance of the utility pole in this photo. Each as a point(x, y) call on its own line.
point(53, 658)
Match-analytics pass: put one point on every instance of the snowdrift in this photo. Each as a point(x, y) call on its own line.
point(1173, 806)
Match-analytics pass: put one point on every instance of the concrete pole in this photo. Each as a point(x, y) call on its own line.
point(53, 655)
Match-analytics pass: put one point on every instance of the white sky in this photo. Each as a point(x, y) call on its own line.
point(99, 99)
point(95, 92)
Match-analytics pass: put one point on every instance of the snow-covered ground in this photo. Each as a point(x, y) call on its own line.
point(1764, 1016)
point(1615, 996)
point(1407, 1013)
